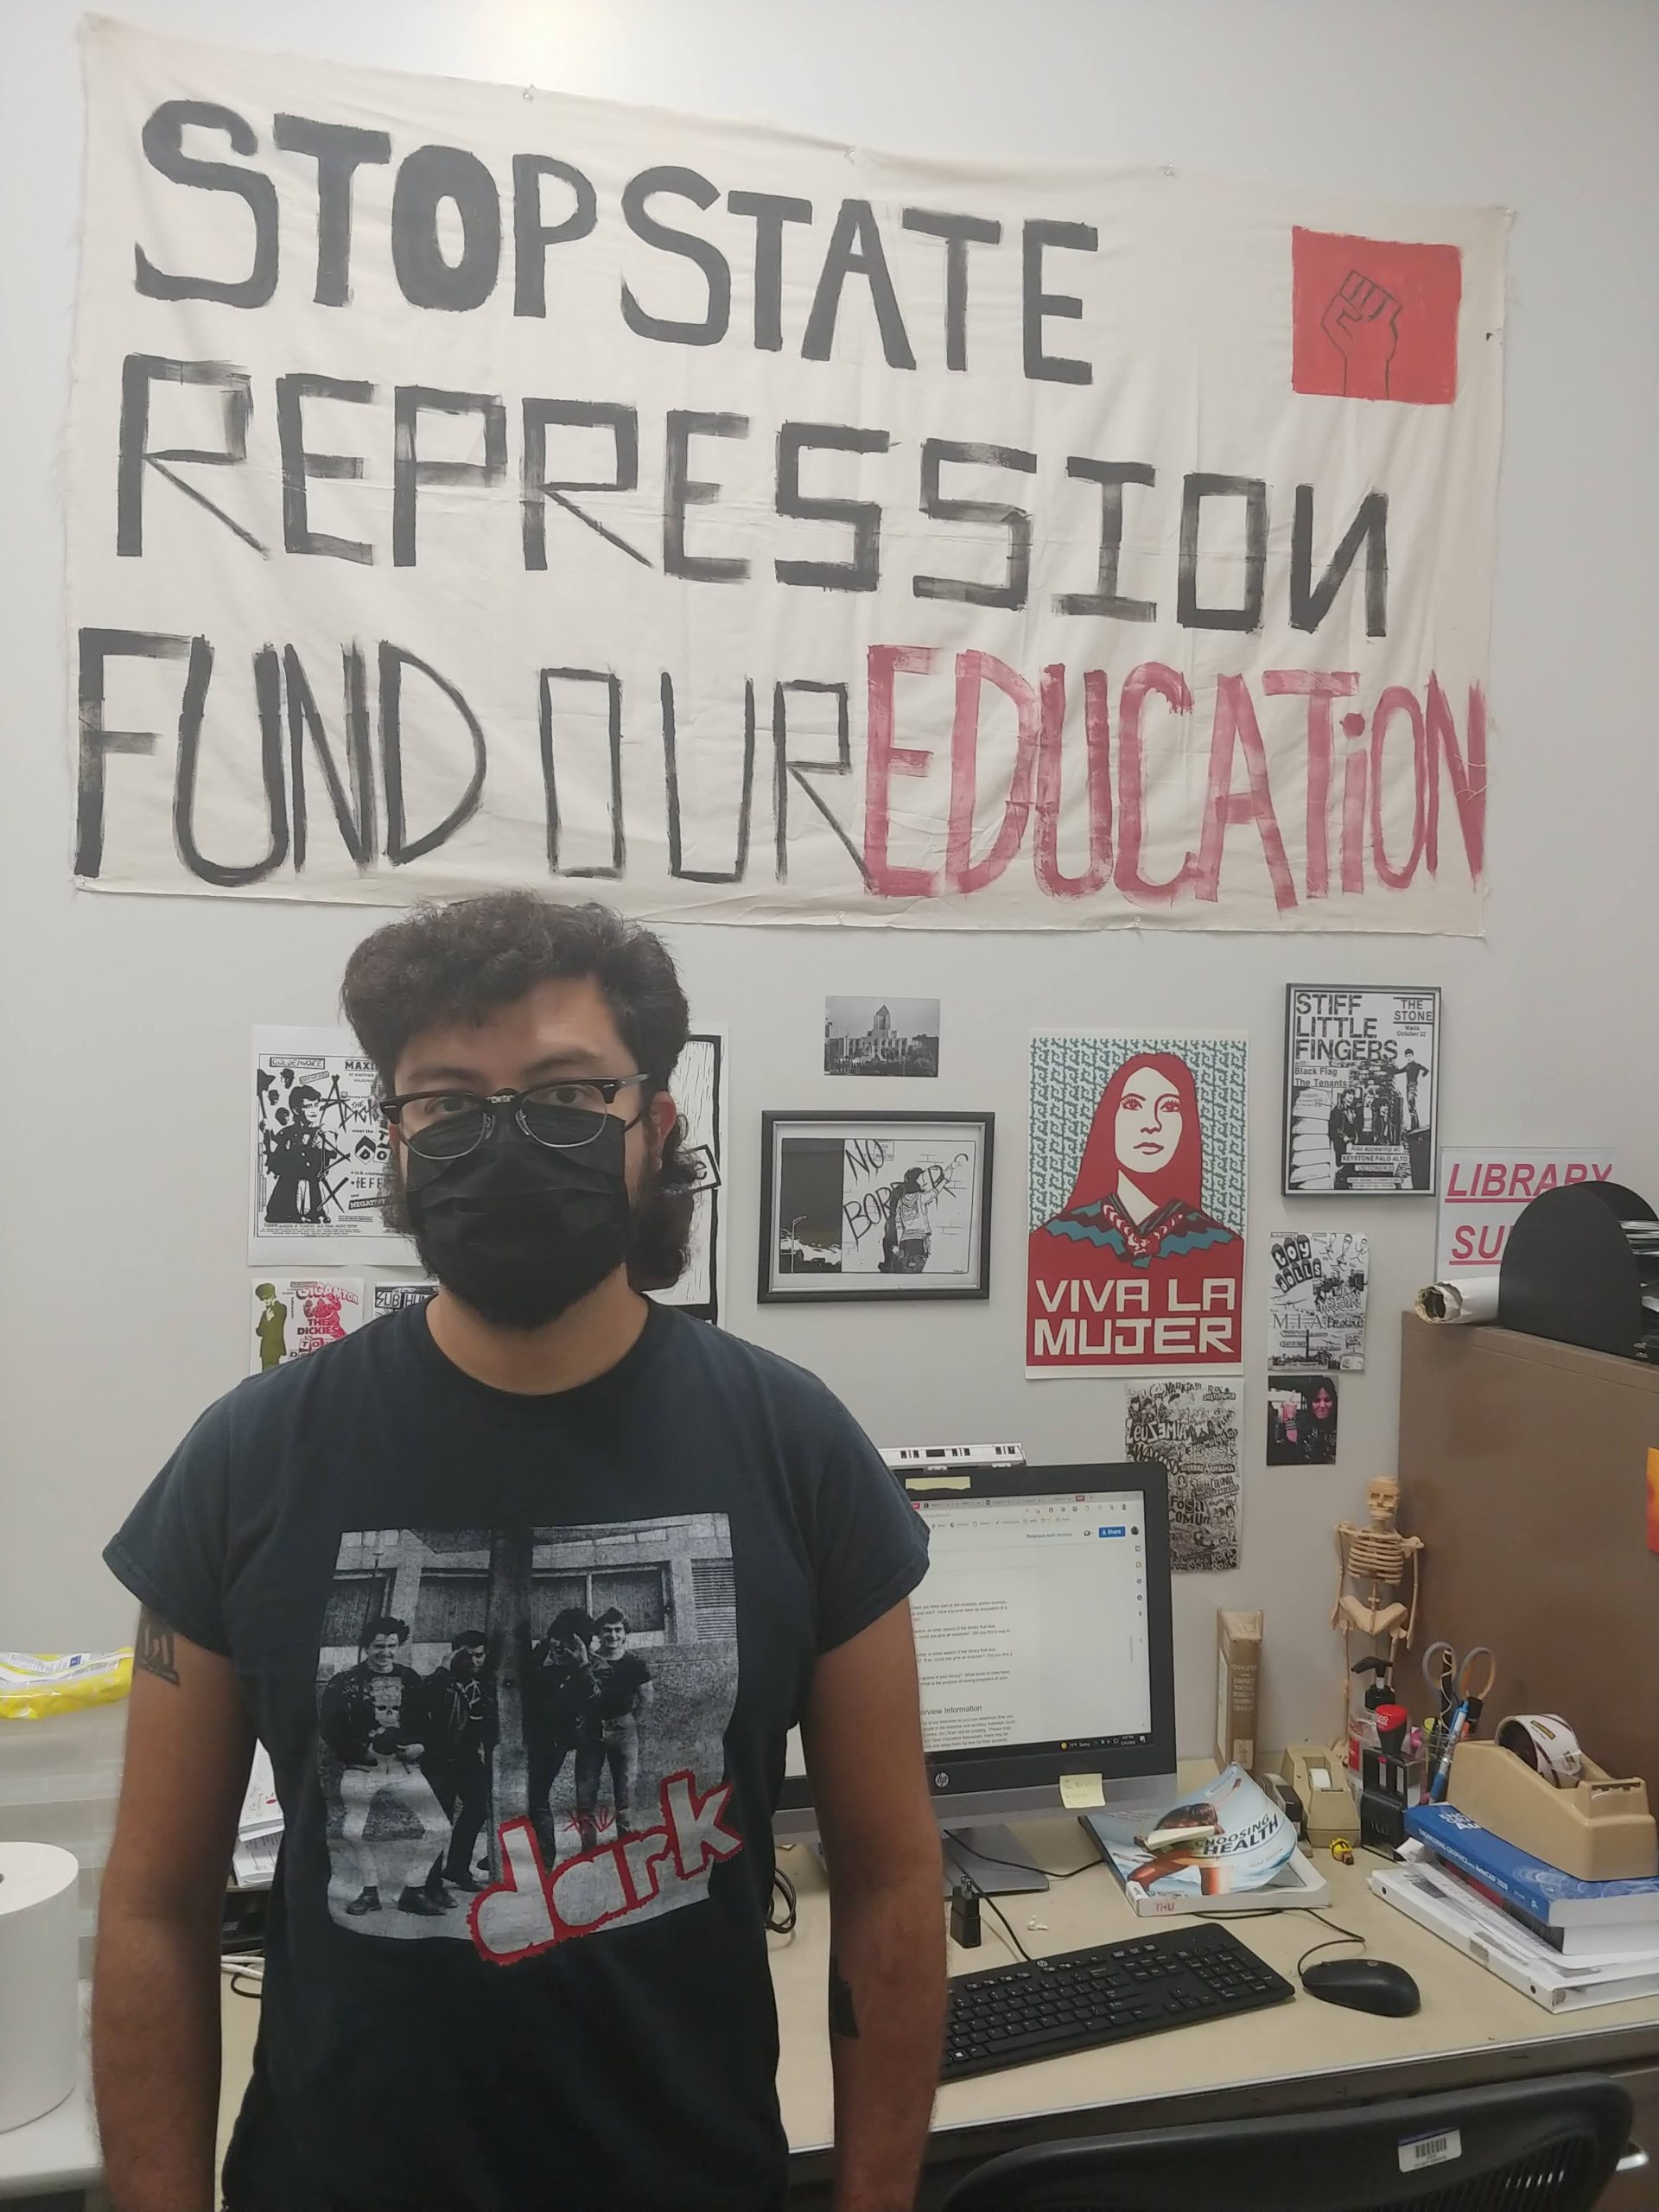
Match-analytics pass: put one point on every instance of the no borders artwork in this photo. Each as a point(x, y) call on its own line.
point(1135, 1254)
point(470, 485)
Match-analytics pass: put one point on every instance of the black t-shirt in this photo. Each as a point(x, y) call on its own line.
point(595, 2024)
point(619, 1683)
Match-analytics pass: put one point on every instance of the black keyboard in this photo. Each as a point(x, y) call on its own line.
point(1078, 2000)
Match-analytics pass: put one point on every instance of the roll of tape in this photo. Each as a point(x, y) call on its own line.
point(1547, 1746)
point(39, 2021)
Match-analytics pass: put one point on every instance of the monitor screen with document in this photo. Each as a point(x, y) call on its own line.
point(1044, 1646)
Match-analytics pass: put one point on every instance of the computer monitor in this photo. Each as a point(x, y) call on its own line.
point(1043, 1641)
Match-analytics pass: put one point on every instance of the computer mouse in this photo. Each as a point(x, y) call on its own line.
point(1364, 1985)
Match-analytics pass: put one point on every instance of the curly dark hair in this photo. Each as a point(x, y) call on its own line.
point(460, 961)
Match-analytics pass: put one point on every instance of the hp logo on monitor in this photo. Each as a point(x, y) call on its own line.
point(941, 1781)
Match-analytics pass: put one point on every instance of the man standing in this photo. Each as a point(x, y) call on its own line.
point(1344, 1129)
point(910, 1227)
point(609, 2020)
point(464, 1729)
point(1414, 1071)
point(559, 1695)
point(622, 1692)
point(270, 1330)
point(372, 1718)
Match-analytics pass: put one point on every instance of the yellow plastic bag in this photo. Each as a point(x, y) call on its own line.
point(34, 1685)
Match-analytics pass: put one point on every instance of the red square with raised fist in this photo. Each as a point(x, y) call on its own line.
point(1375, 319)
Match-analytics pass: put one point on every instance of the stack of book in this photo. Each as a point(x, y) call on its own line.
point(1642, 1237)
point(1565, 1943)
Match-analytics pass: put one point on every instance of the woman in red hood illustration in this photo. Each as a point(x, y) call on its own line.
point(1136, 1212)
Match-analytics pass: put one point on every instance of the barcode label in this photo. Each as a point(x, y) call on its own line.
point(1420, 2151)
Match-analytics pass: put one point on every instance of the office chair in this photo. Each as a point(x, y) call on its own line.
point(1517, 2146)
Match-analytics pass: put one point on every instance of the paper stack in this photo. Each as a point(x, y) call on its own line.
point(258, 1827)
point(1440, 1901)
point(1565, 1943)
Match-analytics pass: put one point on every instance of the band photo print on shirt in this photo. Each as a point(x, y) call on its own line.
point(521, 1731)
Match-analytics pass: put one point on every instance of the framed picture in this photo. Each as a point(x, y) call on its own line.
point(1362, 1077)
point(875, 1205)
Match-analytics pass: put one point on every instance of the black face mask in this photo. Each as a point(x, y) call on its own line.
point(517, 1231)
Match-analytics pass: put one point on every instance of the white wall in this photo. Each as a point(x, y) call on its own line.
point(123, 1021)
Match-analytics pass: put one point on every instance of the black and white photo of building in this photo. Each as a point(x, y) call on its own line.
point(891, 1036)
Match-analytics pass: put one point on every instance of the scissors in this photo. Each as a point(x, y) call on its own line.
point(1454, 1680)
point(1460, 1686)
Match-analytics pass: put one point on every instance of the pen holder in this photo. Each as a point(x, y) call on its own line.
point(1598, 1831)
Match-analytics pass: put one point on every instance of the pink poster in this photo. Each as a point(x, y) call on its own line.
point(1136, 1256)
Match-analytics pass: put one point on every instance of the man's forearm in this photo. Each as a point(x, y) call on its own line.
point(155, 2060)
point(886, 2027)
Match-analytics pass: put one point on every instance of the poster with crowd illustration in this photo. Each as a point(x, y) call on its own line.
point(321, 1160)
point(520, 1732)
point(1190, 1429)
point(890, 1205)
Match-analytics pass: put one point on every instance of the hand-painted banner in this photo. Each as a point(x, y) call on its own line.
point(471, 485)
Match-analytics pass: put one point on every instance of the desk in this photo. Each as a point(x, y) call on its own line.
point(1472, 2028)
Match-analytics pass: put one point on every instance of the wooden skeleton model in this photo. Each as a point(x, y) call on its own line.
point(1374, 1563)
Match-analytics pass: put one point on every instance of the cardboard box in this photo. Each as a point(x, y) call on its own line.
point(1238, 1682)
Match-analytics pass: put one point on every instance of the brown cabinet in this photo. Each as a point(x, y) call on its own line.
point(1524, 1468)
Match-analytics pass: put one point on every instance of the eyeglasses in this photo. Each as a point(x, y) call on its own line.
point(562, 1115)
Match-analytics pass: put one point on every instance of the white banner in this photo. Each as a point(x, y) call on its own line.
point(470, 485)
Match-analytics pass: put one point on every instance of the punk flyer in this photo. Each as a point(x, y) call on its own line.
point(1316, 1316)
point(322, 1154)
point(1190, 1429)
point(698, 1086)
point(393, 1297)
point(296, 1314)
point(1135, 1254)
point(1362, 1070)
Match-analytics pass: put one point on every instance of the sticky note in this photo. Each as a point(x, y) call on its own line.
point(1078, 1792)
point(914, 1482)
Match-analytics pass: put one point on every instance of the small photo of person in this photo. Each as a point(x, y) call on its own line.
point(1301, 1421)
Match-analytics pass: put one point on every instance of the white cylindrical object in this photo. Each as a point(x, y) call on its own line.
point(39, 2022)
point(1472, 1298)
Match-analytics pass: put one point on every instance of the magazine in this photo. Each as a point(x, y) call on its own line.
point(1226, 1837)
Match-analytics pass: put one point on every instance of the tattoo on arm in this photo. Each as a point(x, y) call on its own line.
point(843, 2020)
point(154, 1651)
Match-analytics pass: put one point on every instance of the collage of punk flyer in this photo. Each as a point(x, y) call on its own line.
point(1362, 1070)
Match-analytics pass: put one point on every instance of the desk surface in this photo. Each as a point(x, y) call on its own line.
point(1471, 2025)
